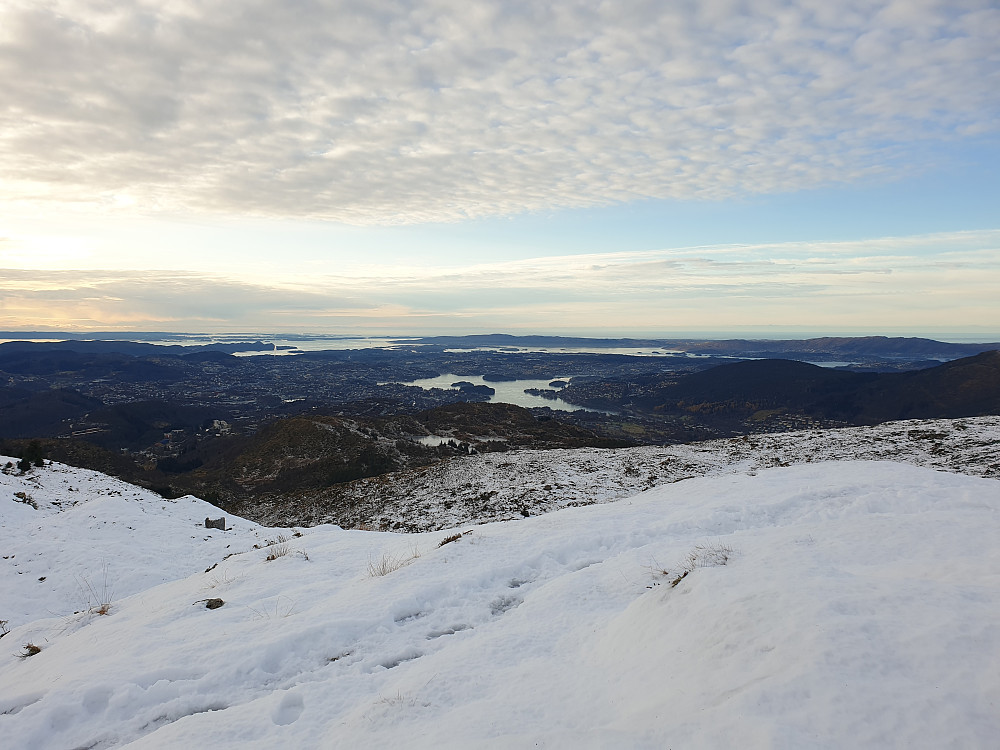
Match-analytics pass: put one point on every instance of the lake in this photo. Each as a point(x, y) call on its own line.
point(508, 392)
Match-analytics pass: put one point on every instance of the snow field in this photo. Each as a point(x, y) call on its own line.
point(859, 607)
point(86, 524)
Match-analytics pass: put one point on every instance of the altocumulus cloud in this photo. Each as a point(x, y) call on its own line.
point(369, 111)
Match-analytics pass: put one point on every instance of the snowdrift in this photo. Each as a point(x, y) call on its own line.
point(842, 604)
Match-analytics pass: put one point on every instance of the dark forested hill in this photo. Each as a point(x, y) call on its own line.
point(846, 347)
point(734, 397)
point(966, 387)
point(765, 383)
point(40, 413)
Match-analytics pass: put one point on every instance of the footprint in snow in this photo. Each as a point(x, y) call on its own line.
point(503, 603)
point(447, 631)
point(408, 655)
point(400, 619)
point(288, 710)
point(96, 699)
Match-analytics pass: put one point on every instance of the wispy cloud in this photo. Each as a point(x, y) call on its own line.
point(908, 283)
point(371, 111)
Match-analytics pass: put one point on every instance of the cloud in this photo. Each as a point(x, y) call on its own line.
point(108, 300)
point(904, 283)
point(371, 111)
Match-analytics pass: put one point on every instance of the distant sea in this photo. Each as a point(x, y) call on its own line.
point(286, 344)
point(283, 343)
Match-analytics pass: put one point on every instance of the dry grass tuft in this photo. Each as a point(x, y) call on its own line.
point(221, 579)
point(98, 598)
point(279, 611)
point(278, 550)
point(702, 556)
point(388, 562)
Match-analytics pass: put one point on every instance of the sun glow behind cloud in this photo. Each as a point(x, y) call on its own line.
point(910, 283)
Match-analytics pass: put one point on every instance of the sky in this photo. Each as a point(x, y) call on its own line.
point(771, 167)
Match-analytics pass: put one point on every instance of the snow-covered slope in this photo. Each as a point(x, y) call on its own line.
point(71, 537)
point(842, 604)
point(501, 486)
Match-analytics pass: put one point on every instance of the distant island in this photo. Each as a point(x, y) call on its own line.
point(865, 347)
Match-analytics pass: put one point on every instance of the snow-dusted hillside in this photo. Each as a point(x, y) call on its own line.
point(61, 527)
point(501, 486)
point(840, 604)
